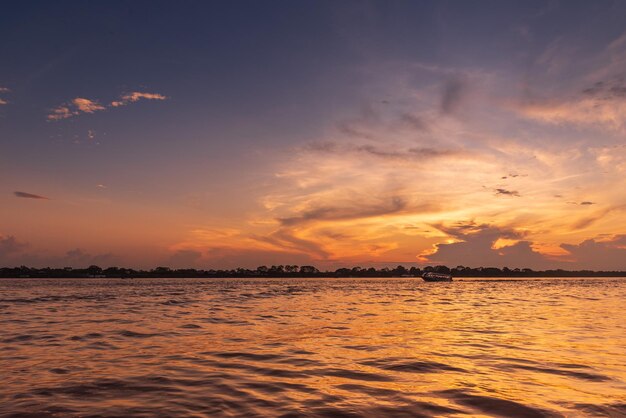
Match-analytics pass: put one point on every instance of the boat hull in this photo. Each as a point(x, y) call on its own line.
point(436, 277)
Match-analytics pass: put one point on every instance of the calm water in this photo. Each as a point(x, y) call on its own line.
point(313, 347)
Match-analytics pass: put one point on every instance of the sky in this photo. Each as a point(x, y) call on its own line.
point(335, 133)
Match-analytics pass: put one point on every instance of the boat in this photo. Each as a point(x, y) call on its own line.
point(436, 277)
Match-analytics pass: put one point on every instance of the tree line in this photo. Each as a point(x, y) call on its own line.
point(293, 271)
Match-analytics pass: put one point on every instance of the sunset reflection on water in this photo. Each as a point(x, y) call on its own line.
point(313, 347)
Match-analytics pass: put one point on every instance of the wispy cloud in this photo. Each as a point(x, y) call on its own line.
point(3, 90)
point(75, 107)
point(61, 112)
point(334, 213)
point(30, 196)
point(135, 96)
point(601, 104)
point(452, 95)
point(505, 192)
point(81, 105)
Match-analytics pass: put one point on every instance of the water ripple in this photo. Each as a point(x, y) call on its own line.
point(312, 348)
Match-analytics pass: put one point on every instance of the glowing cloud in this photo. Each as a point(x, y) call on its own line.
point(75, 107)
point(135, 97)
point(81, 105)
point(86, 105)
point(3, 90)
point(61, 112)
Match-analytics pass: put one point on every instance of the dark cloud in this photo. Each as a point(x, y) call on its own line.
point(30, 195)
point(504, 192)
point(333, 213)
point(348, 129)
point(514, 175)
point(462, 229)
point(596, 216)
point(612, 89)
point(585, 203)
point(370, 149)
point(80, 258)
point(337, 236)
point(599, 255)
point(414, 122)
point(322, 146)
point(410, 154)
point(184, 259)
point(10, 245)
point(476, 248)
point(285, 239)
point(452, 96)
point(434, 152)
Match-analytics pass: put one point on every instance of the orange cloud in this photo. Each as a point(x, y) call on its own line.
point(3, 90)
point(61, 112)
point(75, 107)
point(86, 105)
point(135, 97)
point(81, 105)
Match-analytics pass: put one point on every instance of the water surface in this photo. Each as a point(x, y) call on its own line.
point(312, 347)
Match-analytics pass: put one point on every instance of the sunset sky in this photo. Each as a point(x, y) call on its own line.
point(334, 133)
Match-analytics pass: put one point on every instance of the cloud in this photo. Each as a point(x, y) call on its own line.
point(414, 121)
point(9, 246)
point(61, 112)
point(476, 248)
point(81, 258)
point(284, 239)
point(30, 195)
point(185, 259)
point(603, 104)
point(414, 153)
point(333, 213)
point(505, 192)
point(3, 90)
point(135, 96)
point(86, 105)
point(612, 89)
point(599, 215)
point(81, 105)
point(599, 254)
point(75, 107)
point(452, 95)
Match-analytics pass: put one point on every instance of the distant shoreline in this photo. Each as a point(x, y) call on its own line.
point(292, 271)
